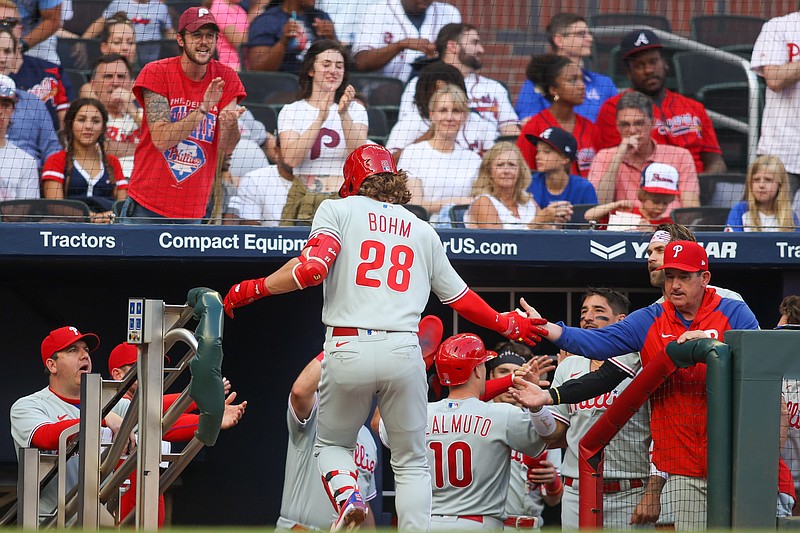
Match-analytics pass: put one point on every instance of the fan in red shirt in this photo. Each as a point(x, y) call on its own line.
point(679, 121)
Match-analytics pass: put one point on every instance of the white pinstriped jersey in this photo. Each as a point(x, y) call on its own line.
point(628, 454)
point(31, 412)
point(388, 258)
point(469, 451)
point(304, 501)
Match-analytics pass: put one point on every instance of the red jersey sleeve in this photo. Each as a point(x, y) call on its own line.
point(525, 146)
point(154, 77)
point(606, 134)
point(53, 169)
point(119, 176)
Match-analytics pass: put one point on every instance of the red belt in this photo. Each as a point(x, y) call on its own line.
point(345, 332)
point(611, 486)
point(521, 522)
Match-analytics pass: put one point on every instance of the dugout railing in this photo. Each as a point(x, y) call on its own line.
point(104, 469)
point(743, 383)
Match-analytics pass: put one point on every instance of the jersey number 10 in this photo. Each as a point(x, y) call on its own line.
point(373, 254)
point(459, 463)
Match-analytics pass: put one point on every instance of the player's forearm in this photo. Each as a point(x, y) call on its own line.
point(282, 281)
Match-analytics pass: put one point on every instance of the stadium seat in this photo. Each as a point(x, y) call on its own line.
point(701, 218)
point(721, 190)
point(78, 54)
point(76, 78)
point(694, 71)
point(726, 31)
point(378, 125)
point(266, 114)
point(380, 91)
point(270, 87)
point(44, 210)
point(734, 148)
point(456, 215)
point(418, 210)
point(729, 99)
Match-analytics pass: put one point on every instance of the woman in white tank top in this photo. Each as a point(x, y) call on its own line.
point(501, 198)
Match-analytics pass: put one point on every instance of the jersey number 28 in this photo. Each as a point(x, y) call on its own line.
point(374, 255)
point(458, 458)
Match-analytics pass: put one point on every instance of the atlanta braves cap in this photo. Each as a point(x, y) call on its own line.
point(685, 255)
point(60, 338)
point(558, 139)
point(195, 18)
point(659, 178)
point(638, 40)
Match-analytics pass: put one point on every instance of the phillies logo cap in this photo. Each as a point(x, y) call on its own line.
point(685, 255)
point(195, 18)
point(124, 354)
point(558, 139)
point(638, 40)
point(659, 178)
point(67, 336)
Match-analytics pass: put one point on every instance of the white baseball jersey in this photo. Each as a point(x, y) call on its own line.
point(469, 450)
point(791, 450)
point(261, 196)
point(389, 258)
point(327, 155)
point(477, 135)
point(487, 97)
point(443, 175)
point(779, 44)
point(304, 501)
point(121, 408)
point(31, 412)
point(628, 454)
point(386, 22)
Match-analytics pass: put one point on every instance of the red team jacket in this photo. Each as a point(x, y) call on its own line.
point(678, 420)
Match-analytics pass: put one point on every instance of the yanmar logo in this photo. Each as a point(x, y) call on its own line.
point(607, 252)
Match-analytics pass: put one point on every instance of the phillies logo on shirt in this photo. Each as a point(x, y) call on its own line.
point(362, 460)
point(184, 159)
point(388, 38)
point(794, 52)
point(794, 414)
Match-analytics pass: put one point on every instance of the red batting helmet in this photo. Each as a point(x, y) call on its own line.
point(457, 358)
point(365, 161)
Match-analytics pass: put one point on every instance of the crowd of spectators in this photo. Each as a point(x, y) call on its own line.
point(446, 120)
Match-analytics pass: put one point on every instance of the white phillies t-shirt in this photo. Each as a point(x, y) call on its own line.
point(327, 155)
point(476, 135)
point(389, 262)
point(779, 44)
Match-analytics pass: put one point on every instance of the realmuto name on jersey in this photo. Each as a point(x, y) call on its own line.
point(466, 424)
point(389, 224)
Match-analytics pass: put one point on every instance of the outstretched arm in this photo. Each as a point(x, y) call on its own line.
point(305, 388)
point(514, 326)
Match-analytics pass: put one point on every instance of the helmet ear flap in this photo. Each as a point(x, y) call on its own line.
point(365, 161)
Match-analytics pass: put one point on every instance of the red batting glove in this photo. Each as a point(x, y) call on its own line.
point(244, 293)
point(522, 329)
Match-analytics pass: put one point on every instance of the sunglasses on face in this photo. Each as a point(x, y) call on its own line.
point(9, 22)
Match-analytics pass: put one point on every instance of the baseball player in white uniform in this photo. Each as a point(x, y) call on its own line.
point(470, 441)
point(534, 481)
point(305, 504)
point(38, 419)
point(378, 263)
point(387, 30)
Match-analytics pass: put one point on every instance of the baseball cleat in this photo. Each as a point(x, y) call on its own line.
point(354, 511)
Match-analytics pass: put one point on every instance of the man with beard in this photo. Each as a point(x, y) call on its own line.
point(190, 118)
point(679, 121)
point(460, 45)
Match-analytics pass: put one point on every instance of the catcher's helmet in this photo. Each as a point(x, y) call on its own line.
point(458, 356)
point(365, 161)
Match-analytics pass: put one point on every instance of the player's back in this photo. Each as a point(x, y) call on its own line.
point(469, 446)
point(388, 264)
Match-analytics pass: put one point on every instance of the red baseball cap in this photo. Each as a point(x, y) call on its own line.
point(195, 18)
point(124, 354)
point(685, 255)
point(62, 337)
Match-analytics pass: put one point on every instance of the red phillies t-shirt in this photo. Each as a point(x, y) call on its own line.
point(177, 183)
point(679, 121)
point(584, 135)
